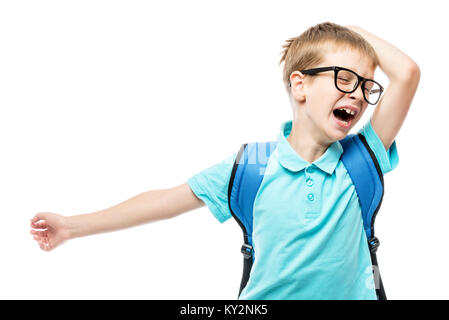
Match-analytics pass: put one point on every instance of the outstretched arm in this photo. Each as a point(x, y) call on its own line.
point(51, 229)
point(403, 74)
point(143, 208)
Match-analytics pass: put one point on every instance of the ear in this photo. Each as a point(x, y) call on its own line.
point(297, 85)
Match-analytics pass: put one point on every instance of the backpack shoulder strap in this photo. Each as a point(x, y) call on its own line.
point(246, 177)
point(364, 170)
point(365, 173)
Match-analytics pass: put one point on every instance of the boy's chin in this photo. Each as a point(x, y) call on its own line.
point(341, 133)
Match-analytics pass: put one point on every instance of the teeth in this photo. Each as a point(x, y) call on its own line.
point(348, 111)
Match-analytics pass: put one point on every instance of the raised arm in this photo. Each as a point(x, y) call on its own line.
point(53, 229)
point(404, 75)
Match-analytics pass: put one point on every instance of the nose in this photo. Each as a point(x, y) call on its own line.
point(358, 93)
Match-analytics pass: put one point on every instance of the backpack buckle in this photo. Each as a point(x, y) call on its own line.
point(373, 244)
point(247, 251)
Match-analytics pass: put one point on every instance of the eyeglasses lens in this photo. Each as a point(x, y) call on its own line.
point(347, 81)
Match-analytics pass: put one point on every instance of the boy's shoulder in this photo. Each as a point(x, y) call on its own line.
point(388, 159)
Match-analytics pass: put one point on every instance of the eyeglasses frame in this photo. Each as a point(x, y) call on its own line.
point(336, 69)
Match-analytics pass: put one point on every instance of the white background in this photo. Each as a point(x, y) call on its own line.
point(103, 100)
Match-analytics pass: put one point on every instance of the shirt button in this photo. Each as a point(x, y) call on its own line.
point(309, 169)
point(310, 196)
point(309, 182)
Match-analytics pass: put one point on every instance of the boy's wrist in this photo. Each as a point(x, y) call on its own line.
point(72, 228)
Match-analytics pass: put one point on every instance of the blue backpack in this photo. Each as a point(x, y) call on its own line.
point(247, 174)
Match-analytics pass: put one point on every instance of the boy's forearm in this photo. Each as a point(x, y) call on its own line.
point(145, 207)
point(392, 61)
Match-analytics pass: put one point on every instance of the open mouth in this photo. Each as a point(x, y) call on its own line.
point(343, 117)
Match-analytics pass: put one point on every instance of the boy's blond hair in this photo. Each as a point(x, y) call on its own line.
point(308, 49)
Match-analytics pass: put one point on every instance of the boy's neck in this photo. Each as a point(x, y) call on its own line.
point(305, 144)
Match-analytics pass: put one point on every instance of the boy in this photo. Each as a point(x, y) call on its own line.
point(308, 231)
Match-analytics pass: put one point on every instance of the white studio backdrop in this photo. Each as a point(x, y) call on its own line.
point(103, 100)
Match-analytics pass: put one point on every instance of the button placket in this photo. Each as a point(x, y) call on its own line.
point(309, 182)
point(313, 206)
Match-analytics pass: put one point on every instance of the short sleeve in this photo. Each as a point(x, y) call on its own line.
point(211, 186)
point(388, 160)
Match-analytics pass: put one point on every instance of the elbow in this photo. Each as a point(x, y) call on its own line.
point(412, 73)
point(409, 74)
point(415, 71)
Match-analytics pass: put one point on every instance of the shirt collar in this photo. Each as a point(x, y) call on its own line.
point(292, 161)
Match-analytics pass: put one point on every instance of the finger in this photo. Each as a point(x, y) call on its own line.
point(39, 225)
point(47, 244)
point(39, 216)
point(36, 218)
point(39, 241)
point(39, 233)
point(44, 245)
point(39, 238)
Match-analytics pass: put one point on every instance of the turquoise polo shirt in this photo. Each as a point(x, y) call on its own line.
point(308, 235)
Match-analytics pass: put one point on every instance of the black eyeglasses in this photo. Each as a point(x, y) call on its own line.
point(348, 81)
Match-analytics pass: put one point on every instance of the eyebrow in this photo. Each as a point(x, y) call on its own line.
point(349, 69)
point(369, 78)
